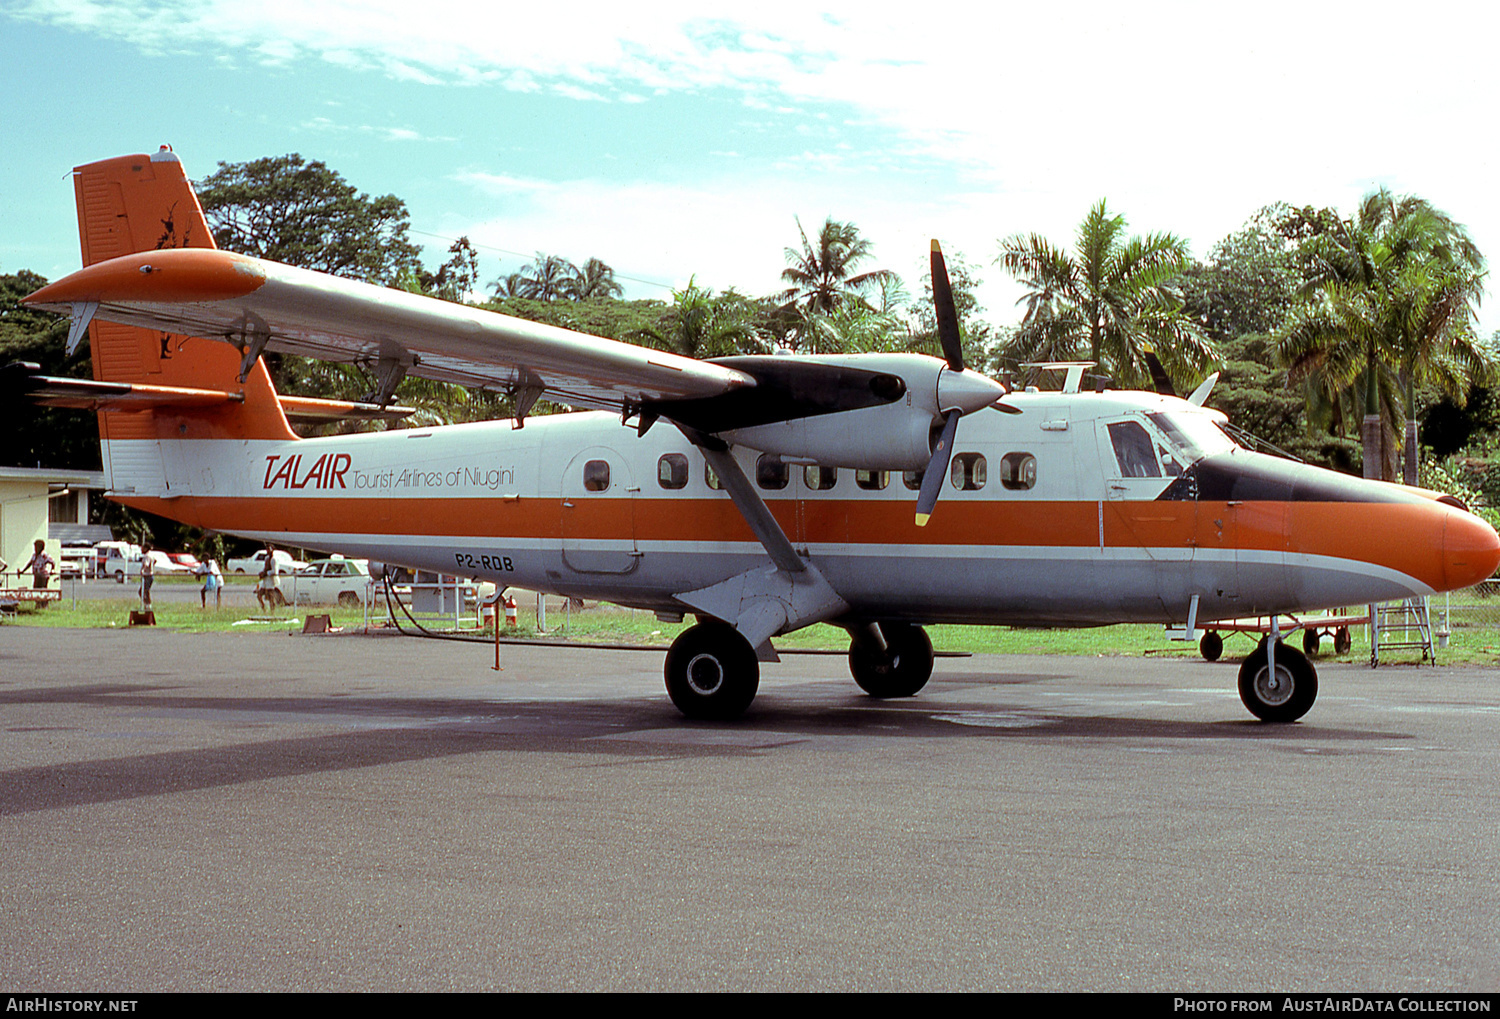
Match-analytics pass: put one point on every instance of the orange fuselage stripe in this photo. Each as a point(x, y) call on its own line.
point(1380, 533)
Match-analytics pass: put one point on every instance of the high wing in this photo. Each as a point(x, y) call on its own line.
point(259, 305)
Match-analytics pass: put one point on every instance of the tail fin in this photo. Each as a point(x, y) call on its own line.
point(143, 203)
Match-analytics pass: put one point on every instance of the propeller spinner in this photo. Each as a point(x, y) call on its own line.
point(959, 390)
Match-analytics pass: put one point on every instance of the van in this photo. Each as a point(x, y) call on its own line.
point(114, 559)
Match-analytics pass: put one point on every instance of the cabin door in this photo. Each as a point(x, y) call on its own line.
point(598, 513)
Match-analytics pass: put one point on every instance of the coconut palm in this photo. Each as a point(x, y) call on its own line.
point(1109, 300)
point(822, 276)
point(595, 280)
point(1390, 303)
point(548, 278)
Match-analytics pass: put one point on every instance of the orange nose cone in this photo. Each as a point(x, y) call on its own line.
point(1471, 550)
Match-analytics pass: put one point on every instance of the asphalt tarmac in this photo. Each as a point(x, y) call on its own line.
point(258, 812)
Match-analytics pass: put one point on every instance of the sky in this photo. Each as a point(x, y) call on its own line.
point(681, 141)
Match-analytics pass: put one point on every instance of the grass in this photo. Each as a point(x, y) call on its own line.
point(1475, 638)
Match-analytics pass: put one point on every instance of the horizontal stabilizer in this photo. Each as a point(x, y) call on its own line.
point(89, 394)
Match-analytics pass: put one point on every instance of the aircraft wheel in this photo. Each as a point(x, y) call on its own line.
point(1310, 642)
point(712, 672)
point(1211, 646)
point(1284, 697)
point(900, 670)
point(1342, 642)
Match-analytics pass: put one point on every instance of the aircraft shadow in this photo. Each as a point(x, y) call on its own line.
point(384, 731)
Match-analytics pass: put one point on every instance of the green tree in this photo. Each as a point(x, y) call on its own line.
point(596, 281)
point(698, 323)
point(1389, 305)
point(1108, 300)
point(822, 276)
point(302, 213)
point(41, 436)
point(976, 336)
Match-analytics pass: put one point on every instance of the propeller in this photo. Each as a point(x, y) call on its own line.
point(959, 392)
point(1158, 374)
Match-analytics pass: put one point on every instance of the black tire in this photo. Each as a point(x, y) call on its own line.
point(349, 599)
point(1289, 695)
point(712, 672)
point(1310, 642)
point(1342, 642)
point(1211, 646)
point(901, 670)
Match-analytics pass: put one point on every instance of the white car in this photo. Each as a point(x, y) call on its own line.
point(252, 564)
point(325, 581)
point(161, 565)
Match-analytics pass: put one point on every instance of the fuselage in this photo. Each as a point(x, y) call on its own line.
point(1084, 509)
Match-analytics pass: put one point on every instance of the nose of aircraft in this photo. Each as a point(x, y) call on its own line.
point(1471, 550)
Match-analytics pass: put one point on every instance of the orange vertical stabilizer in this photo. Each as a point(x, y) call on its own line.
point(146, 203)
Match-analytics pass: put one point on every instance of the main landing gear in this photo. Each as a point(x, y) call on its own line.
point(900, 668)
point(712, 672)
point(1284, 696)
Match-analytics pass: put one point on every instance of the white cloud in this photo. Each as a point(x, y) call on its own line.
point(1186, 116)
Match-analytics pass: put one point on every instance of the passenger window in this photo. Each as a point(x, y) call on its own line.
point(596, 476)
point(818, 478)
point(672, 471)
point(712, 479)
point(912, 479)
point(968, 471)
point(872, 481)
point(1134, 451)
point(1018, 471)
point(771, 473)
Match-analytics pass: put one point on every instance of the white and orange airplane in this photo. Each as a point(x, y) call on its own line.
point(761, 494)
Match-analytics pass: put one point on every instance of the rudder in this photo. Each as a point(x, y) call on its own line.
point(143, 203)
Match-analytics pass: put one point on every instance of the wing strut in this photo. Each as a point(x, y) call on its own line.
point(761, 602)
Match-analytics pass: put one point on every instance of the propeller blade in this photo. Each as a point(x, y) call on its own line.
point(937, 469)
point(947, 314)
point(1158, 374)
point(1204, 388)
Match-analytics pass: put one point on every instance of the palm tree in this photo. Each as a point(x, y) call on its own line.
point(596, 280)
point(548, 278)
point(1110, 300)
point(700, 324)
point(822, 276)
point(1390, 303)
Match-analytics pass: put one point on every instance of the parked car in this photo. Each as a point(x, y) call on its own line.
point(325, 581)
point(77, 561)
point(113, 559)
point(252, 564)
point(161, 564)
point(186, 559)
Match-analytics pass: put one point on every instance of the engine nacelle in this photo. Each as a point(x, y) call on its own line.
point(891, 436)
point(895, 437)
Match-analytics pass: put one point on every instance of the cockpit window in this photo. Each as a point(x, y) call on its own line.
point(1134, 451)
point(1190, 436)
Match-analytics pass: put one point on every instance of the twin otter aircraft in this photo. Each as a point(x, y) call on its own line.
point(761, 494)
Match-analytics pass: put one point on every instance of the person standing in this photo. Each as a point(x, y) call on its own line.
point(40, 565)
point(148, 577)
point(213, 581)
point(268, 591)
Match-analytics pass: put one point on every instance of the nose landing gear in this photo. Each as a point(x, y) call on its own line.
point(1282, 695)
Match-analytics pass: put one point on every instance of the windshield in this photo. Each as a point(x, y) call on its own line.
point(1193, 436)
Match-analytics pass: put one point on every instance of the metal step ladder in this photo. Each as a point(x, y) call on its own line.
point(1401, 626)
